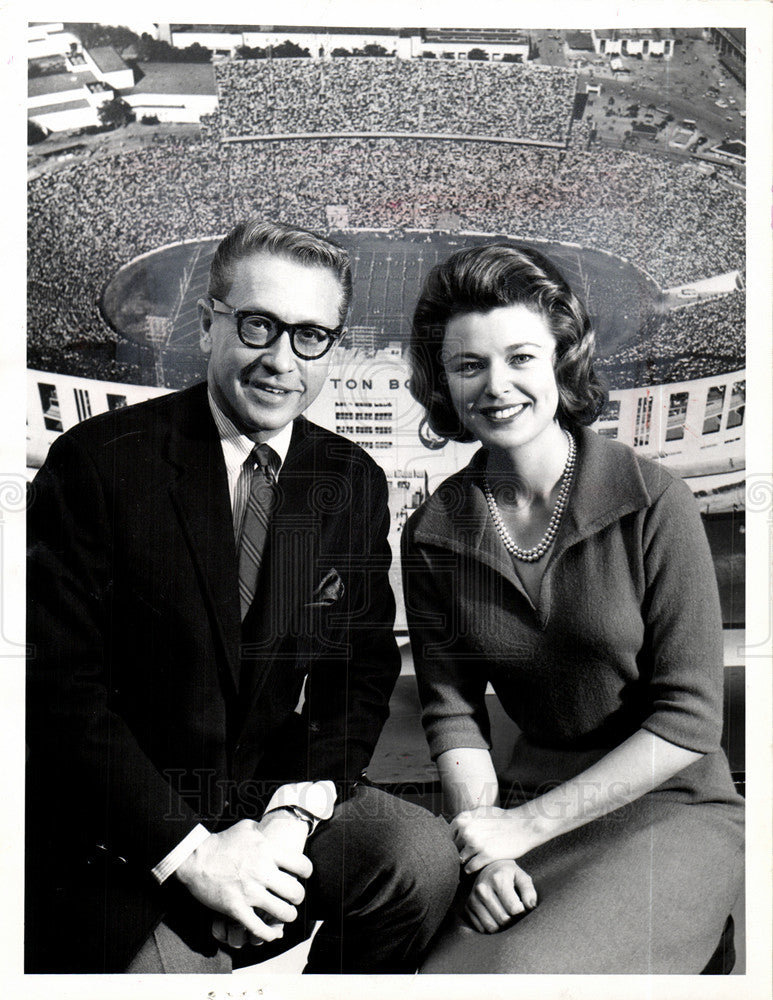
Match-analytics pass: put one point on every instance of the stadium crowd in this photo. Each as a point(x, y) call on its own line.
point(692, 342)
point(91, 217)
point(290, 96)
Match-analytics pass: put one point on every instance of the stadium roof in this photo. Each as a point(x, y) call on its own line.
point(176, 78)
point(327, 30)
point(290, 29)
point(58, 83)
point(107, 59)
point(49, 109)
point(493, 35)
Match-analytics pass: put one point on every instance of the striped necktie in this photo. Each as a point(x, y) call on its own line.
point(263, 461)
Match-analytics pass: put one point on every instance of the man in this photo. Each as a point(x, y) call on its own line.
point(212, 662)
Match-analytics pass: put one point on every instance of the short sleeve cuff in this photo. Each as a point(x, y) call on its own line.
point(443, 738)
point(169, 865)
point(680, 729)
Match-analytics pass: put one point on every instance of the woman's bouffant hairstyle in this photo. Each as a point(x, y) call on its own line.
point(485, 277)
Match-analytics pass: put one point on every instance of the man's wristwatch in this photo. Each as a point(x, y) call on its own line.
point(300, 814)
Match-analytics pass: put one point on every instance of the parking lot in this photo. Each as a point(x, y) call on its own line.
point(692, 86)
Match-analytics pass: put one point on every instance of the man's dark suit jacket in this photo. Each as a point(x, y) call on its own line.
point(147, 713)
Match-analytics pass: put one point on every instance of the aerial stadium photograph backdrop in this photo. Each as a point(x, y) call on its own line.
point(619, 154)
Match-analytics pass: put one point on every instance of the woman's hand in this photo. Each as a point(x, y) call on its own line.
point(488, 834)
point(501, 891)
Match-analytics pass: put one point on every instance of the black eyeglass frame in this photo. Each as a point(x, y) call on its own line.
point(279, 327)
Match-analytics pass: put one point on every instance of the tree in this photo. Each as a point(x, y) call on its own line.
point(372, 49)
point(92, 35)
point(340, 52)
point(151, 50)
point(115, 113)
point(477, 54)
point(247, 52)
point(289, 50)
point(35, 133)
point(195, 53)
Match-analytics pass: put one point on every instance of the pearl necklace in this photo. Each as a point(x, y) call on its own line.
point(539, 550)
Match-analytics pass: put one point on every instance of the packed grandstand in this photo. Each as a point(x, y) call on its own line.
point(679, 225)
point(283, 96)
point(703, 339)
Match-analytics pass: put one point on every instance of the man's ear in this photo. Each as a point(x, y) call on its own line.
point(206, 319)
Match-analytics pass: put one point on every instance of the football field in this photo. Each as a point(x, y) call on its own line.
point(158, 291)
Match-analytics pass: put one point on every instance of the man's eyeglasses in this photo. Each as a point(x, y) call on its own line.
point(309, 342)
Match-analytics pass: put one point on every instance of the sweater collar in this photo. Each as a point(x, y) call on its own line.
point(608, 485)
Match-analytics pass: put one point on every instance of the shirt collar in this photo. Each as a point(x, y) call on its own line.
point(608, 484)
point(237, 446)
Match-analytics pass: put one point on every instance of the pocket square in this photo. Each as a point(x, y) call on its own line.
point(329, 590)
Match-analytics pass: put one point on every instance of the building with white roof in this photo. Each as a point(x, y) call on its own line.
point(174, 92)
point(73, 82)
point(644, 42)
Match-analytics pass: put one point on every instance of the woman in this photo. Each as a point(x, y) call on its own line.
point(575, 577)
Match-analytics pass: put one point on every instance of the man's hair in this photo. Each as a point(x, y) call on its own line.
point(482, 278)
point(254, 236)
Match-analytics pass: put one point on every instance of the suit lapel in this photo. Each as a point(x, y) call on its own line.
point(199, 493)
point(200, 497)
